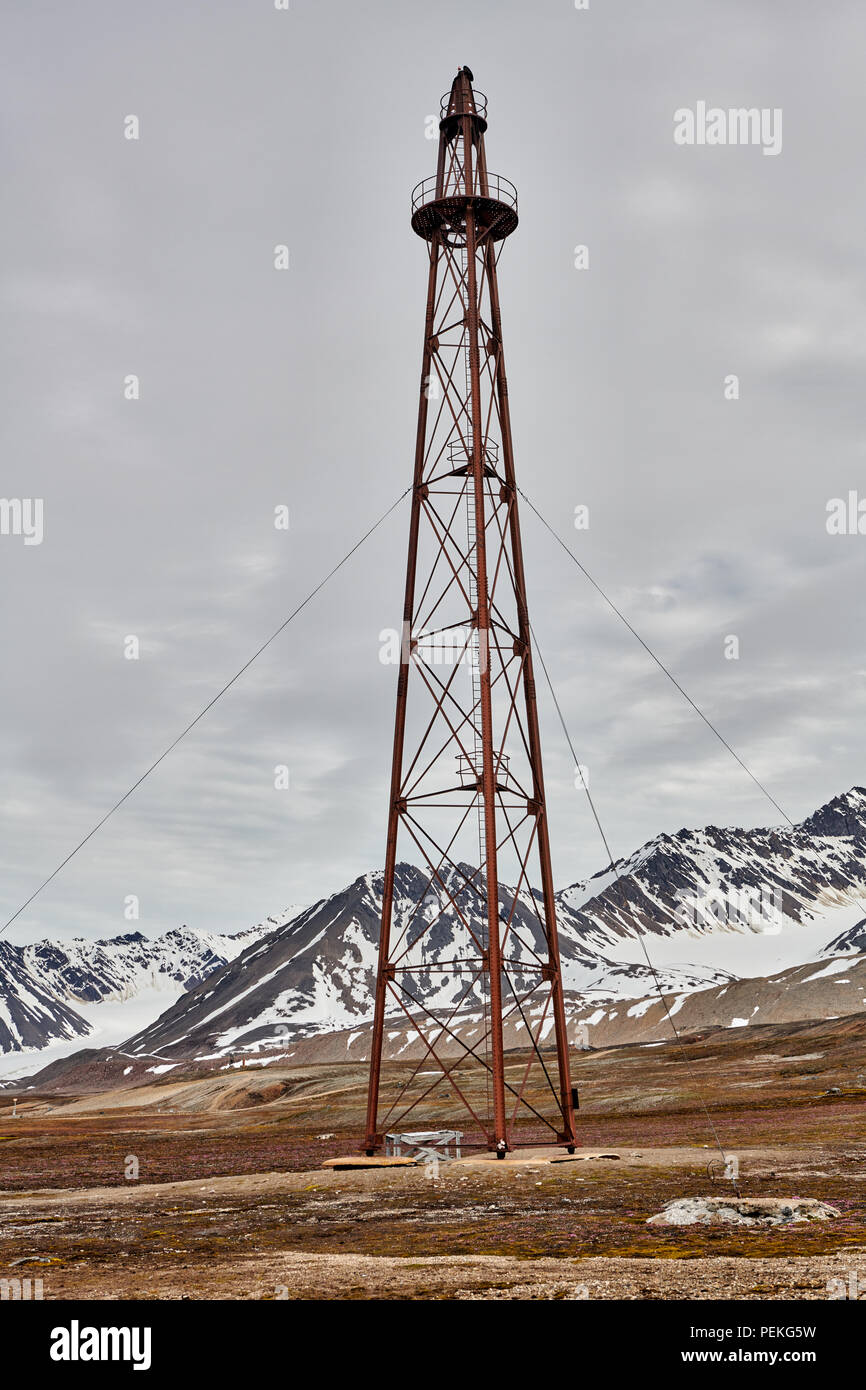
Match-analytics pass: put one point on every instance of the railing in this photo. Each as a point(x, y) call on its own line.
point(460, 452)
point(470, 768)
point(479, 99)
point(499, 189)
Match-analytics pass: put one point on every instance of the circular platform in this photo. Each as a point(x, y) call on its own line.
point(449, 214)
point(437, 208)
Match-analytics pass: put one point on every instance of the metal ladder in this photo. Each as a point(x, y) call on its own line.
point(473, 650)
point(472, 552)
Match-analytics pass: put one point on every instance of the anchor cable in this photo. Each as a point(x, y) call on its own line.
point(658, 661)
point(209, 706)
point(686, 696)
point(619, 882)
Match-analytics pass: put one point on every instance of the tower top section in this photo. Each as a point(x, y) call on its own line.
point(462, 180)
point(463, 100)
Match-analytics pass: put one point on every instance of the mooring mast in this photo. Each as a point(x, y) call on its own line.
point(466, 783)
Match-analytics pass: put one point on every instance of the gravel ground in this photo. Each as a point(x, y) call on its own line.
point(468, 1277)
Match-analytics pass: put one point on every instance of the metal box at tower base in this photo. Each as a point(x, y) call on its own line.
point(476, 969)
point(575, 1099)
point(428, 1143)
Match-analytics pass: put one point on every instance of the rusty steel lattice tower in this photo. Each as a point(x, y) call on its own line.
point(466, 787)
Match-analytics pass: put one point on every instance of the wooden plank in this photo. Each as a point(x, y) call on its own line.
point(361, 1161)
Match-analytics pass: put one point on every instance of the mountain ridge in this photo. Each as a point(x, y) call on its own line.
point(309, 972)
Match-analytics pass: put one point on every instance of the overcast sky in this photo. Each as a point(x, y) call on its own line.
point(261, 387)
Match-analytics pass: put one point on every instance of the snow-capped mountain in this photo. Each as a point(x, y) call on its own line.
point(743, 883)
point(685, 912)
point(86, 972)
point(31, 1016)
point(851, 942)
point(699, 911)
point(818, 990)
point(52, 993)
point(317, 973)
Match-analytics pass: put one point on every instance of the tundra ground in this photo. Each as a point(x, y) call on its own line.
point(231, 1202)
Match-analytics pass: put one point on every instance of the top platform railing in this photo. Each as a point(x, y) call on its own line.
point(478, 98)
